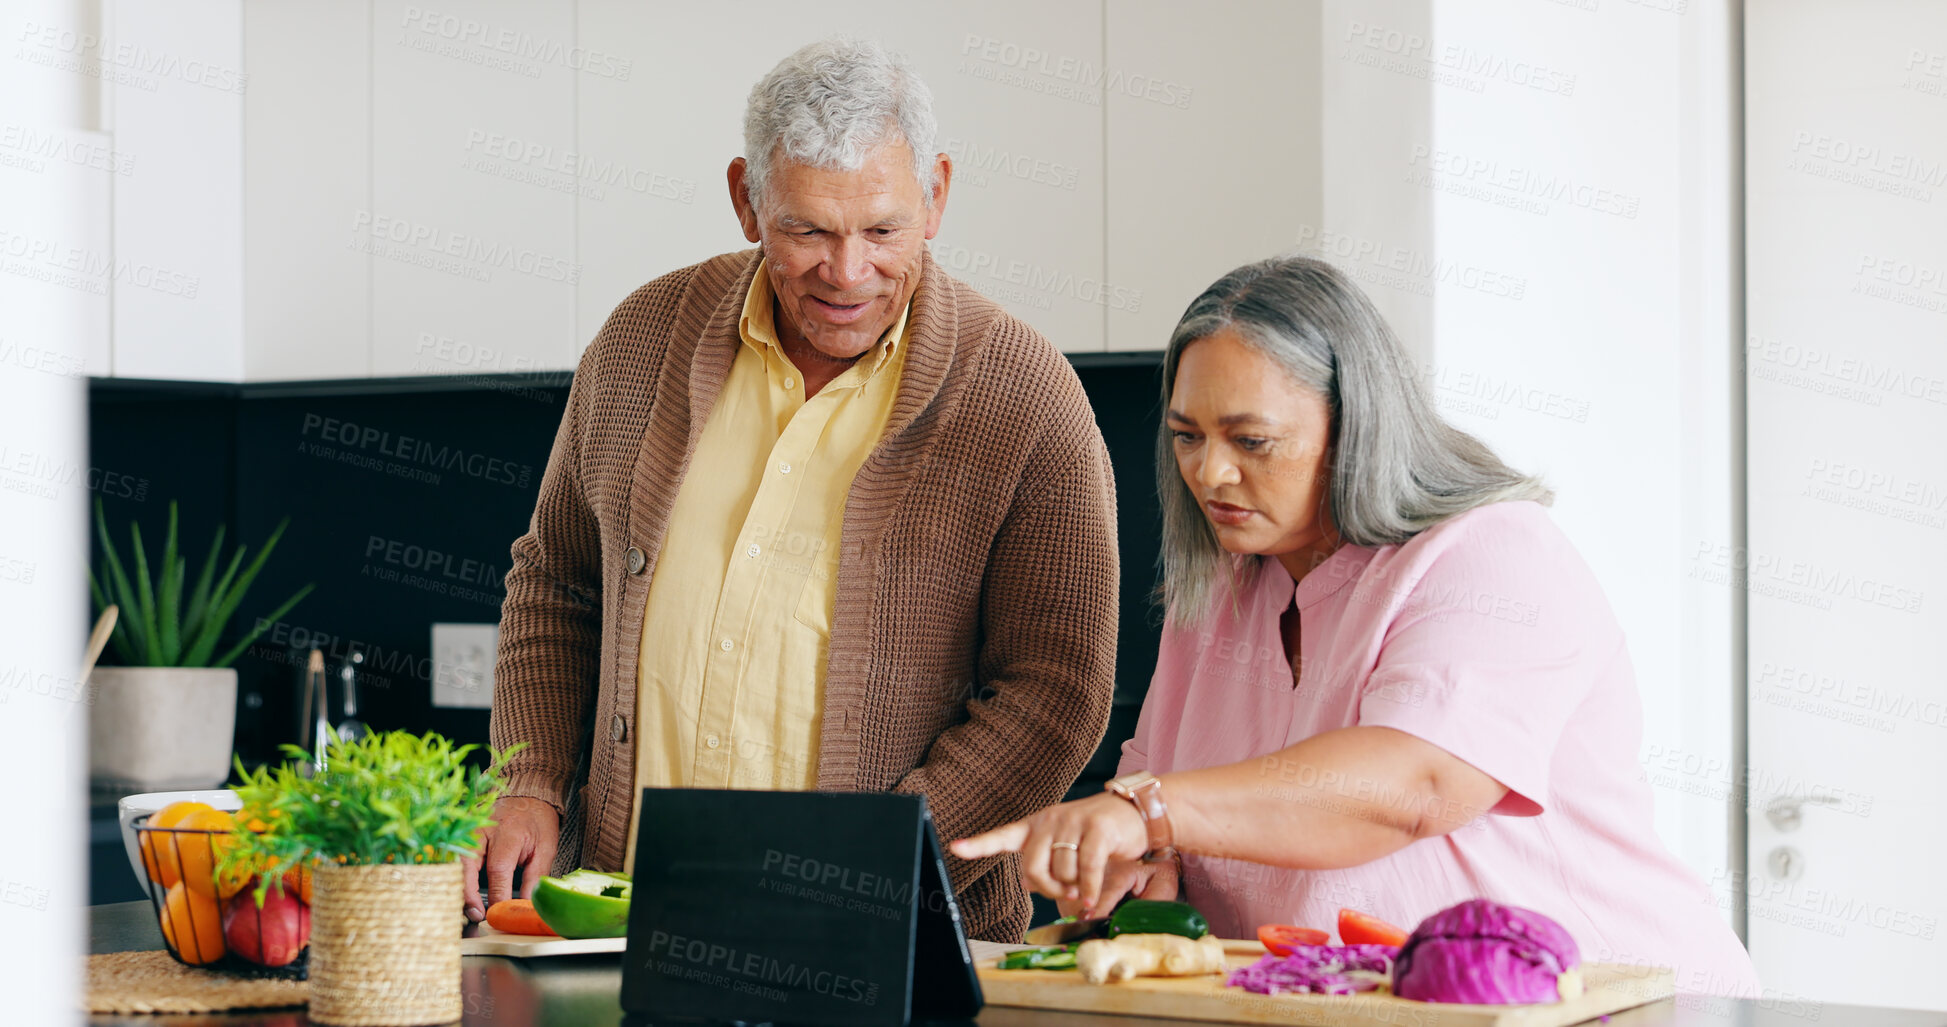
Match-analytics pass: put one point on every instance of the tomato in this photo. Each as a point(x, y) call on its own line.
point(1356, 928)
point(1280, 939)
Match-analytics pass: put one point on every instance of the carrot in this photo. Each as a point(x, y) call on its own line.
point(516, 916)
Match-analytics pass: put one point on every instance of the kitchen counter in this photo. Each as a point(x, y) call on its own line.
point(579, 990)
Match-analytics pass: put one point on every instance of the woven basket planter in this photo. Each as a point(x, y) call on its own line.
point(385, 945)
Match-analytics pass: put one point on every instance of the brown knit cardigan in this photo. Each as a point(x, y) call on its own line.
point(973, 638)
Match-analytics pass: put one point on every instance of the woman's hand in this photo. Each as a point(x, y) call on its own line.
point(1133, 878)
point(1066, 850)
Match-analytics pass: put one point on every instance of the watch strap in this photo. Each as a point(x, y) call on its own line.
point(1145, 791)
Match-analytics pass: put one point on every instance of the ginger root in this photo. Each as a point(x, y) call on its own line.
point(1148, 955)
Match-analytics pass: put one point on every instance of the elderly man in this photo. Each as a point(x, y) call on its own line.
point(818, 516)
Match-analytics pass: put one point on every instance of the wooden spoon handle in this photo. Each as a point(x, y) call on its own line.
point(98, 640)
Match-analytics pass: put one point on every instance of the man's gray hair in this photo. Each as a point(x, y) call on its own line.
point(832, 103)
point(1396, 467)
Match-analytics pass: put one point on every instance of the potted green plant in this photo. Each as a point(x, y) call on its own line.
point(380, 830)
point(165, 718)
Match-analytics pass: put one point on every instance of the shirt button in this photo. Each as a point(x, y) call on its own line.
point(618, 729)
point(790, 383)
point(784, 468)
point(727, 645)
point(712, 741)
point(635, 560)
point(752, 551)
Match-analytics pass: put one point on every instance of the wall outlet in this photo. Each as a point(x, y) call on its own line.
point(463, 665)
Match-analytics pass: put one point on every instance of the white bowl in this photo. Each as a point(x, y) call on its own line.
point(132, 806)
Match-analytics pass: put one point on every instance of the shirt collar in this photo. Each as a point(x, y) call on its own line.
point(1345, 563)
point(758, 326)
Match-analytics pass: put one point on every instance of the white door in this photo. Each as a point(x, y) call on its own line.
point(1846, 563)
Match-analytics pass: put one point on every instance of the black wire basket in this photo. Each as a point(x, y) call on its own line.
point(197, 919)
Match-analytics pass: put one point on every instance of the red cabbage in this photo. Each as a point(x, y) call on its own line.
point(1317, 970)
point(1482, 952)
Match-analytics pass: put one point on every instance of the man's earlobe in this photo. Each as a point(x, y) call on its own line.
point(736, 177)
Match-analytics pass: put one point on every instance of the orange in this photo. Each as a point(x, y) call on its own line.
point(192, 925)
point(252, 818)
point(159, 848)
point(297, 881)
point(201, 840)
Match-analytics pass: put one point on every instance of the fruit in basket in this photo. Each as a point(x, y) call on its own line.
point(268, 935)
point(297, 881)
point(159, 848)
point(192, 925)
point(198, 853)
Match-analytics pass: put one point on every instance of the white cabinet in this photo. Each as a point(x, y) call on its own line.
point(1213, 122)
point(658, 117)
point(172, 75)
point(1009, 80)
point(471, 225)
point(1016, 91)
point(307, 176)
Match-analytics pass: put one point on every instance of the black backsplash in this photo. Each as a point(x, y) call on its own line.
point(404, 496)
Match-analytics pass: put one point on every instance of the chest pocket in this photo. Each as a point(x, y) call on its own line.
point(820, 590)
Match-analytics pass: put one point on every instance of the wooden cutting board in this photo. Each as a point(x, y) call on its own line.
point(1611, 988)
point(482, 940)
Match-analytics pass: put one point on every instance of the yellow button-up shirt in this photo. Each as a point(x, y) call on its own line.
point(730, 679)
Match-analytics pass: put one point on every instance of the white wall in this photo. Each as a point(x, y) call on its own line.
point(1540, 196)
point(54, 172)
point(422, 192)
point(174, 79)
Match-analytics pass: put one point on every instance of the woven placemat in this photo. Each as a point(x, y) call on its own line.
point(153, 982)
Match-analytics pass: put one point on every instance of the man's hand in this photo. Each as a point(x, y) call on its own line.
point(1134, 878)
point(524, 835)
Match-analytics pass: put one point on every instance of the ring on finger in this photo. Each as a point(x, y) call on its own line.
point(1070, 846)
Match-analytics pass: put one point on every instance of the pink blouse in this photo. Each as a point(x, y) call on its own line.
point(1490, 638)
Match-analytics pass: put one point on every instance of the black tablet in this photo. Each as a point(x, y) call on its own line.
point(799, 908)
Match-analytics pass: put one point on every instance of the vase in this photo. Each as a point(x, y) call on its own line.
point(156, 728)
point(385, 945)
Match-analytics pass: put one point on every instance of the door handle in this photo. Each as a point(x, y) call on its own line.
point(1787, 812)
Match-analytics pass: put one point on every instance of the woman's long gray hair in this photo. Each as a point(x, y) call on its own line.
point(1397, 468)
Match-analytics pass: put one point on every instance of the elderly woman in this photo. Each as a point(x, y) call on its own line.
point(1387, 680)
